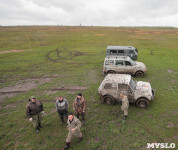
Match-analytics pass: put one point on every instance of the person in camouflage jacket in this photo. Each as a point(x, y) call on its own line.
point(125, 104)
point(79, 106)
point(74, 126)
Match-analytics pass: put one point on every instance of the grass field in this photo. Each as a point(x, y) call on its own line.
point(51, 61)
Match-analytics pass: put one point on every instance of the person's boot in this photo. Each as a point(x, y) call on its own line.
point(66, 123)
point(62, 121)
point(66, 118)
point(80, 139)
point(40, 126)
point(67, 145)
point(37, 130)
point(83, 121)
point(125, 117)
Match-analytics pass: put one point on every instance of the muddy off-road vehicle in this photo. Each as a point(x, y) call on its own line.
point(138, 92)
point(130, 51)
point(123, 65)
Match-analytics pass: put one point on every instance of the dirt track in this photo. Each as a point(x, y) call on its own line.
point(71, 89)
point(11, 51)
point(21, 87)
point(26, 85)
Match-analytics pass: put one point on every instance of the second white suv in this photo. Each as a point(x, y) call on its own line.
point(123, 65)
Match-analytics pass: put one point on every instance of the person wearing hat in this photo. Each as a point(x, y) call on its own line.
point(125, 104)
point(74, 126)
point(34, 111)
point(62, 108)
point(79, 106)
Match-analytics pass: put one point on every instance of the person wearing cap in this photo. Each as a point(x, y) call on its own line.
point(74, 126)
point(62, 108)
point(34, 111)
point(125, 104)
point(79, 106)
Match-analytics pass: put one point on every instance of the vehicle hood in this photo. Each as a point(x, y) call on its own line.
point(140, 65)
point(144, 89)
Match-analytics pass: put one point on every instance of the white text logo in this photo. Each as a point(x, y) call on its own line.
point(161, 145)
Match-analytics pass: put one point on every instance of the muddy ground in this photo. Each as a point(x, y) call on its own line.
point(21, 87)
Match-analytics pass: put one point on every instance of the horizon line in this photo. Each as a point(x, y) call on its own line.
point(86, 26)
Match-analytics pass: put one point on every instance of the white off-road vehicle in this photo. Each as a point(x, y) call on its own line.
point(138, 92)
point(123, 65)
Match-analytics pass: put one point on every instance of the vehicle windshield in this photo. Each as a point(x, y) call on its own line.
point(132, 62)
point(132, 84)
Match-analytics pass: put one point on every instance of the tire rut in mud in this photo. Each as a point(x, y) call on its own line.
point(62, 59)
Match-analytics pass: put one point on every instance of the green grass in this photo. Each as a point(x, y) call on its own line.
point(104, 128)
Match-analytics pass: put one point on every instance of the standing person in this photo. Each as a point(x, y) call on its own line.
point(125, 104)
point(79, 106)
point(34, 111)
point(62, 108)
point(74, 126)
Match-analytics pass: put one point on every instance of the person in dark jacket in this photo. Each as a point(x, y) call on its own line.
point(34, 112)
point(62, 108)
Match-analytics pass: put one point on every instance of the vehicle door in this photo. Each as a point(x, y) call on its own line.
point(130, 94)
point(119, 66)
point(122, 88)
point(129, 69)
point(127, 53)
point(126, 89)
point(132, 54)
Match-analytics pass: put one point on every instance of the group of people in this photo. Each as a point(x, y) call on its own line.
point(35, 111)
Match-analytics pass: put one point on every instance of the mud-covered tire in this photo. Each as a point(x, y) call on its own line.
point(108, 100)
point(111, 72)
point(142, 103)
point(139, 74)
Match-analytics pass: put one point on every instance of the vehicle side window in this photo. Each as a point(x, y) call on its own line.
point(110, 86)
point(123, 87)
point(131, 52)
point(119, 63)
point(109, 62)
point(127, 63)
point(120, 51)
point(113, 51)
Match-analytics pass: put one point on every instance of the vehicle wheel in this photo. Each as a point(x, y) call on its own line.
point(139, 74)
point(109, 100)
point(142, 103)
point(111, 72)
